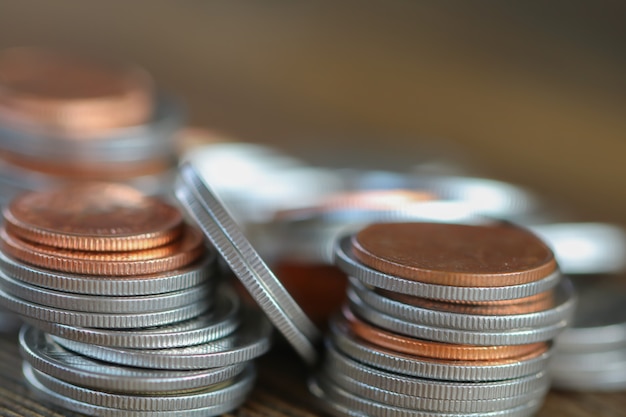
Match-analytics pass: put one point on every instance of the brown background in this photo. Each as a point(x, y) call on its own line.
point(529, 92)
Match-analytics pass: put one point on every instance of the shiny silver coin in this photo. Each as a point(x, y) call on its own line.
point(351, 266)
point(105, 304)
point(129, 144)
point(249, 342)
point(463, 337)
point(585, 248)
point(599, 322)
point(48, 357)
point(402, 364)
point(101, 320)
point(412, 402)
point(337, 365)
point(228, 391)
point(564, 303)
point(191, 276)
point(341, 403)
point(82, 407)
point(245, 262)
point(209, 326)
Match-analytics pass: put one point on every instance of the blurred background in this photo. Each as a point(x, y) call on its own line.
point(527, 92)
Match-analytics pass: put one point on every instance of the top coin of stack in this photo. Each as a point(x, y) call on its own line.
point(66, 115)
point(443, 318)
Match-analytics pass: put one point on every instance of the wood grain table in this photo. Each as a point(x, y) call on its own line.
point(280, 392)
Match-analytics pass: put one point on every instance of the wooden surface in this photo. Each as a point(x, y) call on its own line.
point(280, 392)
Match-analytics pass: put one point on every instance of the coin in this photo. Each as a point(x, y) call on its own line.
point(71, 93)
point(212, 325)
point(451, 370)
point(48, 357)
point(247, 265)
point(93, 217)
point(457, 255)
point(431, 349)
point(426, 313)
point(179, 279)
point(249, 342)
point(351, 266)
point(177, 255)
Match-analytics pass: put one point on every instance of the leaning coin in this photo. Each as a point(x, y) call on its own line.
point(342, 403)
point(82, 407)
point(210, 326)
point(251, 341)
point(48, 357)
point(262, 284)
point(161, 283)
point(522, 336)
point(102, 304)
point(413, 402)
point(101, 320)
point(561, 308)
point(237, 387)
point(423, 367)
point(339, 364)
point(351, 266)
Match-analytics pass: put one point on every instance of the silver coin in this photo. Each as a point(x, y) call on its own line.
point(209, 326)
point(585, 248)
point(351, 266)
point(191, 276)
point(589, 362)
point(101, 320)
point(239, 386)
point(402, 364)
point(129, 144)
point(337, 363)
point(613, 379)
point(104, 304)
point(249, 342)
point(395, 399)
point(48, 357)
point(463, 337)
point(82, 407)
point(262, 284)
point(342, 403)
point(599, 322)
point(564, 304)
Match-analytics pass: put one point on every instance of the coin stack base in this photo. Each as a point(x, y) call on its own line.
point(123, 314)
point(443, 319)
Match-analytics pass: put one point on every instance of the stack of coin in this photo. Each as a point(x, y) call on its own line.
point(443, 319)
point(68, 116)
point(591, 355)
point(124, 317)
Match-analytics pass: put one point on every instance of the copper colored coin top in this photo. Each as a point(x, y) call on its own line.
point(71, 92)
point(93, 216)
point(450, 254)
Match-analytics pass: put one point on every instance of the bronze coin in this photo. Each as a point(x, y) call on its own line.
point(93, 217)
point(177, 255)
point(342, 325)
point(72, 93)
point(531, 304)
point(457, 255)
point(430, 349)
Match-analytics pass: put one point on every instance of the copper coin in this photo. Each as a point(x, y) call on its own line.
point(177, 255)
point(342, 325)
point(457, 255)
point(437, 350)
point(93, 217)
point(75, 94)
point(532, 304)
